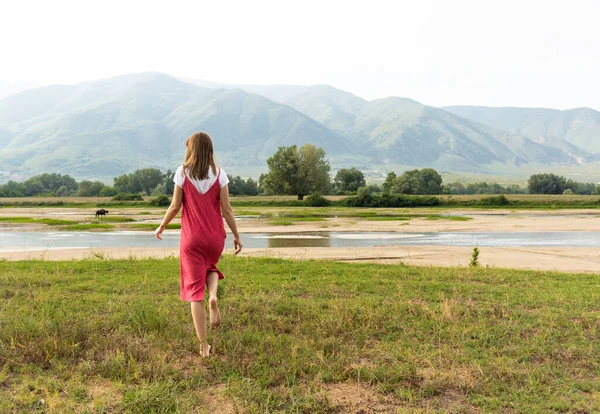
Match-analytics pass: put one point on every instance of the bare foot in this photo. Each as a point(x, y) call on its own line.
point(206, 353)
point(215, 316)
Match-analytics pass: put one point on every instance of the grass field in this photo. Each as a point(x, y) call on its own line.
point(48, 221)
point(313, 337)
point(446, 201)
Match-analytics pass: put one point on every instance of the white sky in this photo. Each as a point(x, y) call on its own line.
point(480, 52)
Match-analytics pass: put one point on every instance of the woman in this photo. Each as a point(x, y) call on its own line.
point(201, 189)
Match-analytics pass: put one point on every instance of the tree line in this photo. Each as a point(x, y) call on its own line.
point(305, 170)
point(296, 171)
point(146, 181)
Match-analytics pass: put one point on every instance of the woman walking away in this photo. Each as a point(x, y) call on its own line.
point(201, 189)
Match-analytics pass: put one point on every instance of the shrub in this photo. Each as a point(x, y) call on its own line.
point(474, 258)
point(108, 192)
point(568, 191)
point(389, 200)
point(127, 197)
point(160, 201)
point(316, 200)
point(500, 200)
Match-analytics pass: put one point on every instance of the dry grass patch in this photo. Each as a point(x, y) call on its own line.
point(216, 400)
point(348, 397)
point(104, 396)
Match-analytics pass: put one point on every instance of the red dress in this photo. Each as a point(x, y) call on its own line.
point(202, 238)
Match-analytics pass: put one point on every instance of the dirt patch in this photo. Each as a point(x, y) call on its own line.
point(359, 398)
point(215, 400)
point(104, 394)
point(452, 388)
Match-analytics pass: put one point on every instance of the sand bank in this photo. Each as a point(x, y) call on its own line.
point(585, 260)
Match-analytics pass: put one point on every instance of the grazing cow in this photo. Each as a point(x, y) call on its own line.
point(101, 212)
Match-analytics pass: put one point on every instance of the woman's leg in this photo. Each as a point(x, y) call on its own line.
point(199, 317)
point(212, 281)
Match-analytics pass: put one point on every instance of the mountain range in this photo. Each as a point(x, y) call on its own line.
point(11, 88)
point(109, 127)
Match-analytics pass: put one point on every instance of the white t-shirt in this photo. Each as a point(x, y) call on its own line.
point(202, 185)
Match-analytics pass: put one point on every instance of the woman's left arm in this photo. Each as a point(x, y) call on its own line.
point(171, 212)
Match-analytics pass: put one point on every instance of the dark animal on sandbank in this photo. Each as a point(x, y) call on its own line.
point(101, 212)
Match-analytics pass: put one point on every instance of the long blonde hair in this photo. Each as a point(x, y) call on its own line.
point(199, 155)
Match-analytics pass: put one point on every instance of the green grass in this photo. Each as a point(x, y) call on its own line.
point(114, 219)
point(300, 218)
point(247, 213)
point(151, 226)
point(387, 218)
point(145, 213)
point(48, 221)
point(451, 218)
point(89, 226)
point(290, 221)
point(281, 223)
point(112, 336)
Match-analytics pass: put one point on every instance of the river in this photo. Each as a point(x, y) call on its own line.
point(29, 240)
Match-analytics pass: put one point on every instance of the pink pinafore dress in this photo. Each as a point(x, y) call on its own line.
point(202, 238)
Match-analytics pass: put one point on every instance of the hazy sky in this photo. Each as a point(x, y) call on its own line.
point(481, 52)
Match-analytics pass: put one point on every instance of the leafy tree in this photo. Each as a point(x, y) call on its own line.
point(297, 171)
point(90, 189)
point(485, 188)
point(368, 190)
point(168, 181)
point(160, 189)
point(584, 188)
point(546, 184)
point(283, 172)
point(386, 187)
point(149, 178)
point(431, 181)
point(127, 183)
point(239, 186)
point(454, 188)
point(144, 180)
point(251, 187)
point(349, 180)
point(515, 189)
point(482, 188)
point(425, 181)
point(597, 191)
point(314, 171)
point(63, 192)
point(48, 184)
point(14, 189)
point(261, 181)
point(108, 192)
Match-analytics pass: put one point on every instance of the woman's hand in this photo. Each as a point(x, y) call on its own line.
point(159, 231)
point(237, 244)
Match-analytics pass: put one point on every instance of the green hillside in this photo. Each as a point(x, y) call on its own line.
point(402, 131)
point(575, 130)
point(114, 126)
point(130, 122)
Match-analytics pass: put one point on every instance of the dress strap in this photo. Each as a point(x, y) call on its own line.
point(218, 174)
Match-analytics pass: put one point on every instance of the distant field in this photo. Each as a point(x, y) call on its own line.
point(303, 337)
point(528, 198)
point(446, 201)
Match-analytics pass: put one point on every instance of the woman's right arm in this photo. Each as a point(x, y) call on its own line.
point(171, 212)
point(230, 218)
